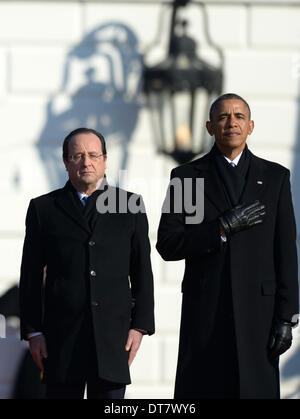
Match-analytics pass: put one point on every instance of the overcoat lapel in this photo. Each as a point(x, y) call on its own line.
point(256, 180)
point(66, 201)
point(213, 188)
point(99, 221)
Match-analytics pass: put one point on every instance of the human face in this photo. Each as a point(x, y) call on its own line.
point(230, 125)
point(85, 175)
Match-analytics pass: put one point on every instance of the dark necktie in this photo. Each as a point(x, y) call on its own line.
point(84, 200)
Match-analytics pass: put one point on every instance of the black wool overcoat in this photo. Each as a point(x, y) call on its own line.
point(261, 264)
point(100, 273)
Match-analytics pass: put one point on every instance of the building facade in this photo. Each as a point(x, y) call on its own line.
point(79, 63)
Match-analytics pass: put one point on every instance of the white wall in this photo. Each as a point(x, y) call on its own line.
point(57, 72)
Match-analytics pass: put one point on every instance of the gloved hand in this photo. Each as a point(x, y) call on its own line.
point(242, 217)
point(281, 339)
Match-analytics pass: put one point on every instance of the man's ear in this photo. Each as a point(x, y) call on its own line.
point(66, 164)
point(251, 127)
point(105, 160)
point(209, 128)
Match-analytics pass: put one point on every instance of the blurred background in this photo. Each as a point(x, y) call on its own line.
point(143, 73)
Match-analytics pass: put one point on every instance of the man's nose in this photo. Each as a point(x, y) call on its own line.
point(232, 121)
point(86, 160)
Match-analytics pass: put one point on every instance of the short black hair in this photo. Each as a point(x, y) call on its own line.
point(82, 131)
point(227, 96)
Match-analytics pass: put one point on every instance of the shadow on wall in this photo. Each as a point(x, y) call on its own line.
point(100, 89)
point(291, 369)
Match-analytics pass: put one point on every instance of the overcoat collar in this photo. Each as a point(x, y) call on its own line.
point(213, 187)
point(66, 200)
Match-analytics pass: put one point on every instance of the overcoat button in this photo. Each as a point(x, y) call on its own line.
point(95, 303)
point(91, 243)
point(93, 273)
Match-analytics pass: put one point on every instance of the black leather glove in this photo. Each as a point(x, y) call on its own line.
point(242, 217)
point(281, 339)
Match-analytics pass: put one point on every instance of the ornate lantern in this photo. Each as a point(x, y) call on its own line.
point(175, 88)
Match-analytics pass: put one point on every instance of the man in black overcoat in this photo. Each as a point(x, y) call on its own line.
point(240, 287)
point(86, 286)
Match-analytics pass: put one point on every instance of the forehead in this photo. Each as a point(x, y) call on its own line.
point(85, 142)
point(231, 106)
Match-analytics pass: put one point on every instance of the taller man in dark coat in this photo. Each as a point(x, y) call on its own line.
point(240, 288)
point(86, 287)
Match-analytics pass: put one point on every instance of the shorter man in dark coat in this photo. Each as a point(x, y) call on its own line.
point(86, 286)
point(240, 288)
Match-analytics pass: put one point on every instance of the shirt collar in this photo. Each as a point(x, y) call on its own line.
point(82, 195)
point(236, 160)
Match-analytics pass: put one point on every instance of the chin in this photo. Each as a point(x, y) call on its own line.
point(234, 143)
point(87, 176)
point(88, 180)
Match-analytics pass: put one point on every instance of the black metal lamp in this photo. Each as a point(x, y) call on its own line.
point(175, 88)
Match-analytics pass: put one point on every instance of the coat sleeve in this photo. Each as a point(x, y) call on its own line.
point(285, 256)
point(141, 276)
point(178, 240)
point(31, 278)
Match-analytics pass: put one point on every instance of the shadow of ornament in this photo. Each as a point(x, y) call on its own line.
point(100, 88)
